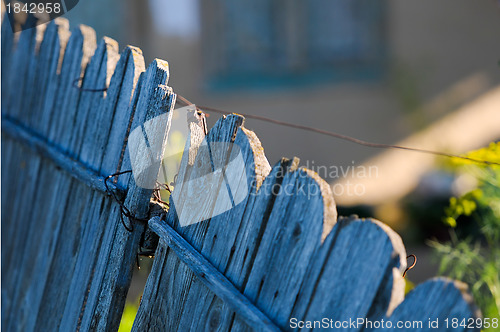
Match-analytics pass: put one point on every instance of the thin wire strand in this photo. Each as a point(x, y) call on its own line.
point(411, 266)
point(337, 135)
point(123, 209)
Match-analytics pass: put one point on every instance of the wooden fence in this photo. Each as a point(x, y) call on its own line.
point(276, 258)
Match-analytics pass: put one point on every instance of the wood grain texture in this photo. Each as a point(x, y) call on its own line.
point(119, 90)
point(23, 169)
point(217, 238)
point(438, 298)
point(52, 214)
point(48, 50)
point(248, 250)
point(64, 97)
point(74, 168)
point(11, 150)
point(59, 142)
point(8, 44)
point(359, 250)
point(45, 58)
point(79, 207)
point(211, 277)
point(18, 70)
point(113, 269)
point(49, 59)
point(278, 248)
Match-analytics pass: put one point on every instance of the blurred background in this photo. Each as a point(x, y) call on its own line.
point(421, 73)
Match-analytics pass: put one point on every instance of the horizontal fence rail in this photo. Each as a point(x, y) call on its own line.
point(74, 168)
point(282, 247)
point(66, 257)
point(244, 245)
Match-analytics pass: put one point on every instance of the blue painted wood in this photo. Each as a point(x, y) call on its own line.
point(63, 95)
point(59, 142)
point(68, 246)
point(117, 102)
point(18, 83)
point(11, 151)
point(434, 301)
point(26, 111)
point(124, 105)
point(50, 249)
point(356, 251)
point(211, 277)
point(178, 312)
point(116, 260)
point(281, 248)
point(279, 253)
point(77, 206)
point(49, 49)
point(74, 168)
point(38, 182)
point(24, 240)
point(8, 44)
point(18, 71)
point(51, 55)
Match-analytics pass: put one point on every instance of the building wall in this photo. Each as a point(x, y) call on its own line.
point(442, 55)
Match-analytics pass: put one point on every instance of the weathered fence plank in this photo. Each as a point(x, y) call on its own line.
point(125, 106)
point(252, 250)
point(19, 276)
point(117, 103)
point(70, 235)
point(153, 100)
point(280, 247)
point(9, 151)
point(59, 143)
point(65, 96)
point(358, 251)
point(438, 300)
point(212, 277)
point(8, 44)
point(47, 52)
point(49, 59)
point(12, 151)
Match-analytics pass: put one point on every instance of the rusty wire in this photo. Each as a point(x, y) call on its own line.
point(412, 265)
point(124, 211)
point(157, 195)
point(337, 135)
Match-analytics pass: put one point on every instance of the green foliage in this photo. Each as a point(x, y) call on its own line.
point(128, 317)
point(171, 162)
point(409, 286)
point(475, 259)
point(464, 205)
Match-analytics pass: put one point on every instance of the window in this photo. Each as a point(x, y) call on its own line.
point(287, 42)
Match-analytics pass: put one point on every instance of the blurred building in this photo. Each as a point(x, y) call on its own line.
point(382, 71)
point(291, 43)
point(419, 73)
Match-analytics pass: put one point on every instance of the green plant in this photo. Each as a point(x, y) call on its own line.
point(128, 317)
point(473, 256)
